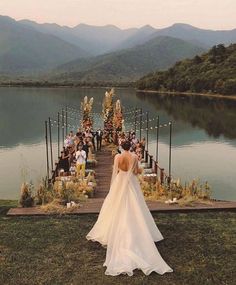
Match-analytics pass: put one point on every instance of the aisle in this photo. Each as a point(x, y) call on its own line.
point(103, 172)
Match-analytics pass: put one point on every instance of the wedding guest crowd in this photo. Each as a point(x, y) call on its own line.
point(136, 146)
point(77, 149)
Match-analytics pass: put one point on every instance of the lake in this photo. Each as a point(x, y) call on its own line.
point(203, 141)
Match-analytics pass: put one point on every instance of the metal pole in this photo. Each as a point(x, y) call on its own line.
point(66, 122)
point(170, 124)
point(135, 120)
point(162, 176)
point(50, 140)
point(62, 126)
point(58, 134)
point(151, 161)
point(157, 146)
point(147, 126)
point(46, 139)
point(140, 123)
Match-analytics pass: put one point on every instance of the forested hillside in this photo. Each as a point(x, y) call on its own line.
point(213, 72)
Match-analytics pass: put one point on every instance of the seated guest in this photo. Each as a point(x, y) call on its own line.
point(73, 169)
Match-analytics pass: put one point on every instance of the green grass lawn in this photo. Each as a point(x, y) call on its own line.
point(200, 247)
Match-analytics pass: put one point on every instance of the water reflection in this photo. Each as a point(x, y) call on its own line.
point(204, 133)
point(215, 115)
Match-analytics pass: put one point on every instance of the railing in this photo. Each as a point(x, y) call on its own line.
point(156, 168)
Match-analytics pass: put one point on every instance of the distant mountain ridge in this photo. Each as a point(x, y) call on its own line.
point(25, 50)
point(27, 47)
point(103, 39)
point(95, 40)
point(131, 64)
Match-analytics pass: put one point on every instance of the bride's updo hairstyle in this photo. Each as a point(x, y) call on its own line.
point(126, 145)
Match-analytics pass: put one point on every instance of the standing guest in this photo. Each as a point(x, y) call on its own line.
point(71, 138)
point(99, 135)
point(86, 146)
point(71, 154)
point(134, 139)
point(115, 137)
point(65, 160)
point(139, 151)
point(143, 143)
point(93, 139)
point(67, 141)
point(80, 160)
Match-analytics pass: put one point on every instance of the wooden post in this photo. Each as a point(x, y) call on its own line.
point(151, 160)
point(140, 123)
point(58, 134)
point(157, 138)
point(135, 120)
point(147, 126)
point(46, 139)
point(50, 141)
point(62, 126)
point(155, 167)
point(146, 156)
point(162, 175)
point(66, 122)
point(170, 124)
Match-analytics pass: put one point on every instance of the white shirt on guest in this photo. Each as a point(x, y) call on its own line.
point(80, 156)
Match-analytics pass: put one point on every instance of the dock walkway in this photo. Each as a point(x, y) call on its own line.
point(103, 176)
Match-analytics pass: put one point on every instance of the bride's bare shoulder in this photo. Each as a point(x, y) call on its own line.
point(117, 156)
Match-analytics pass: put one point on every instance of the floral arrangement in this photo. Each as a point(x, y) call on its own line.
point(75, 188)
point(186, 194)
point(86, 108)
point(118, 116)
point(108, 111)
point(66, 190)
point(26, 197)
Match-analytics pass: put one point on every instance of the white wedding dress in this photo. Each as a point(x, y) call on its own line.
point(126, 227)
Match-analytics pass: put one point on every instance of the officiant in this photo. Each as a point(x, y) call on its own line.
point(99, 135)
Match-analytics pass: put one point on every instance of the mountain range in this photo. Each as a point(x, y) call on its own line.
point(86, 52)
point(129, 64)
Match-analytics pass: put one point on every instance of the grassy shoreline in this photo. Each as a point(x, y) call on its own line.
point(217, 96)
point(116, 85)
point(69, 85)
point(54, 250)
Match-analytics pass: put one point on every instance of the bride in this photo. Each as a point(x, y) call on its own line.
point(125, 225)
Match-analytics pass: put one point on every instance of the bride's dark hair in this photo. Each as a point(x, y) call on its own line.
point(126, 145)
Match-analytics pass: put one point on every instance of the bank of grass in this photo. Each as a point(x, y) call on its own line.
point(53, 250)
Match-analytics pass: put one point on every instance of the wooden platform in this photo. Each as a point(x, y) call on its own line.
point(103, 172)
point(103, 177)
point(93, 206)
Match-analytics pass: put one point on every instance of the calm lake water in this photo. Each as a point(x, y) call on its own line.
point(204, 134)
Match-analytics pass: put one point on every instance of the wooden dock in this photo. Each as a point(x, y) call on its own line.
point(103, 172)
point(103, 176)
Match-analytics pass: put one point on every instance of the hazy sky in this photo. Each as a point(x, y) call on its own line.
point(212, 14)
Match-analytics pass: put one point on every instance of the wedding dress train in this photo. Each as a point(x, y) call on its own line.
point(126, 227)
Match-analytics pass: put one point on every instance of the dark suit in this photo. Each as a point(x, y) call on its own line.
point(93, 139)
point(99, 135)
